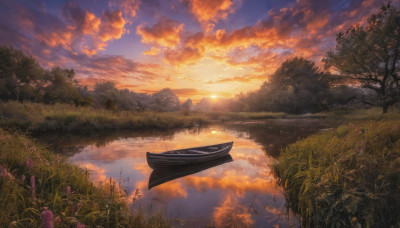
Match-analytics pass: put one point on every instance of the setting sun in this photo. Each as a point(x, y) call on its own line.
point(214, 96)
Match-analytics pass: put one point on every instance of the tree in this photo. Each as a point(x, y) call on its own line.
point(297, 86)
point(20, 75)
point(187, 106)
point(62, 87)
point(205, 104)
point(370, 55)
point(165, 100)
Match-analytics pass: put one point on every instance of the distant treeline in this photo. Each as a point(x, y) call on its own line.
point(298, 86)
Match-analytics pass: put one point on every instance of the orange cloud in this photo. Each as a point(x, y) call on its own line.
point(165, 32)
point(129, 7)
point(184, 56)
point(54, 39)
point(112, 26)
point(152, 51)
point(82, 21)
point(246, 78)
point(89, 32)
point(91, 23)
point(210, 10)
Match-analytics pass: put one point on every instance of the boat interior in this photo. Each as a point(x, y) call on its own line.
point(205, 150)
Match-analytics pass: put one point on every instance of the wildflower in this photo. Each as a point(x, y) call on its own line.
point(80, 225)
point(69, 190)
point(47, 218)
point(3, 171)
point(57, 220)
point(33, 184)
point(78, 207)
point(29, 163)
point(362, 148)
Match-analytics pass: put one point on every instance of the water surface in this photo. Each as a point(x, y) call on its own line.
point(243, 192)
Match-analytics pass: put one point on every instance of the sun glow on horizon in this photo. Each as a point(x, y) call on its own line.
point(214, 96)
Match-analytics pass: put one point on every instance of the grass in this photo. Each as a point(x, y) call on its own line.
point(374, 113)
point(62, 117)
point(36, 117)
point(347, 177)
point(101, 204)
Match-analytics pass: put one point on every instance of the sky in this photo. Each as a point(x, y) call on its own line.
point(198, 48)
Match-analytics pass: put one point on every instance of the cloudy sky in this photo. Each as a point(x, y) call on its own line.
point(198, 48)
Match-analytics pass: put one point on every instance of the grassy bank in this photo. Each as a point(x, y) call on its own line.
point(32, 178)
point(62, 117)
point(346, 177)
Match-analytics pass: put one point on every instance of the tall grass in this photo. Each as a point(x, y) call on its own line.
point(23, 162)
point(62, 117)
point(346, 177)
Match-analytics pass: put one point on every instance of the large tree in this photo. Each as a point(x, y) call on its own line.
point(369, 55)
point(297, 86)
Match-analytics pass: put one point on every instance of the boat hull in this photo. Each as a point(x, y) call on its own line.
point(162, 160)
point(160, 176)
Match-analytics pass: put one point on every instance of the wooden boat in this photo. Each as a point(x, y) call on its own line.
point(188, 156)
point(160, 176)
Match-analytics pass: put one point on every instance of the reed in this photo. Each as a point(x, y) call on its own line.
point(33, 179)
point(349, 176)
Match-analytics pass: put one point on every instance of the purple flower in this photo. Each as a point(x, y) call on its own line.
point(47, 218)
point(69, 190)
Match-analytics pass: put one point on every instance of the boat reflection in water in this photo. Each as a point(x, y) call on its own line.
point(160, 176)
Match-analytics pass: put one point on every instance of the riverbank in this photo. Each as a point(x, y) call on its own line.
point(34, 117)
point(32, 178)
point(349, 176)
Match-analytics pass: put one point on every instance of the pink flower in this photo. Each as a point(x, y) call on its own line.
point(47, 218)
point(69, 190)
point(29, 163)
point(57, 220)
point(3, 171)
point(80, 225)
point(33, 184)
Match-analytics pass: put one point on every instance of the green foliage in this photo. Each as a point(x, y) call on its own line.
point(21, 77)
point(62, 88)
point(345, 177)
point(371, 55)
point(92, 204)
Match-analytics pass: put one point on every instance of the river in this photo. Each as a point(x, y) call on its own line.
point(241, 192)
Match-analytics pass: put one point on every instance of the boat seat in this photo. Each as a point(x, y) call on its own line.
point(198, 152)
